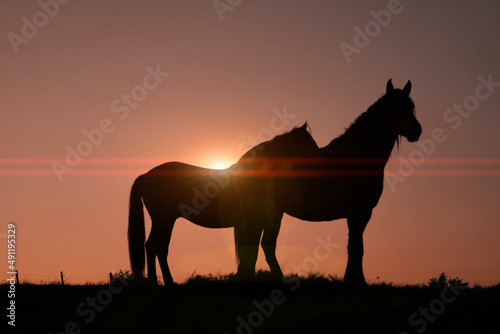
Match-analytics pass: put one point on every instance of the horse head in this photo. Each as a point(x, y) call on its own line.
point(400, 111)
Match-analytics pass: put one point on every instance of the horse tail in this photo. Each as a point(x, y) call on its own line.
point(236, 237)
point(136, 230)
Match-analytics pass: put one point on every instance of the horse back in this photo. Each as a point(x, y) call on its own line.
point(200, 195)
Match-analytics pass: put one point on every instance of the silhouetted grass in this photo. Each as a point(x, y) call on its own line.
point(222, 304)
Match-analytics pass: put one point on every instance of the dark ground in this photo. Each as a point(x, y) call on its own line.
point(208, 305)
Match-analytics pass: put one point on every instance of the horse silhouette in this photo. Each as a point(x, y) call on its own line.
point(206, 197)
point(288, 174)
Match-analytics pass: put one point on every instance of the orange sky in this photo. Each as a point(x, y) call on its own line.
point(229, 75)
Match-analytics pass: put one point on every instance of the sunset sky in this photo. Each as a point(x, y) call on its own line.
point(95, 93)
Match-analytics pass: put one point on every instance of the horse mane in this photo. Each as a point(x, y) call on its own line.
point(282, 143)
point(296, 129)
point(369, 117)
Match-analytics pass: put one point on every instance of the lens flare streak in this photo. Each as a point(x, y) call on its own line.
point(308, 167)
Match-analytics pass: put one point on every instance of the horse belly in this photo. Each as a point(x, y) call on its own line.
point(309, 199)
point(319, 209)
point(316, 199)
point(217, 212)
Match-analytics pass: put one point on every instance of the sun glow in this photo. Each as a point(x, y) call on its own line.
point(219, 164)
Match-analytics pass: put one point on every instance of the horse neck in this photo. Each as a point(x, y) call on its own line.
point(367, 138)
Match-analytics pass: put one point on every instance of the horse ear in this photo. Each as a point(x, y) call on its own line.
point(407, 88)
point(389, 87)
point(304, 126)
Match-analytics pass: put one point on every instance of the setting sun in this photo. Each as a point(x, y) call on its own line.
point(219, 164)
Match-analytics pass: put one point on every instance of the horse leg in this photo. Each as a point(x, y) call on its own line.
point(247, 237)
point(157, 246)
point(151, 251)
point(268, 244)
point(166, 234)
point(354, 270)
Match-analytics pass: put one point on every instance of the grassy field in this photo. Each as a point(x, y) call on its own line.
point(220, 305)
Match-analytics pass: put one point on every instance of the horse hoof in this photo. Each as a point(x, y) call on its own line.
point(244, 277)
point(355, 282)
point(151, 281)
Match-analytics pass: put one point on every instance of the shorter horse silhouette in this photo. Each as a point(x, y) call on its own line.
point(288, 174)
point(206, 197)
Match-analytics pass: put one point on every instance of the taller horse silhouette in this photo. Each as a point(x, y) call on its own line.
point(341, 180)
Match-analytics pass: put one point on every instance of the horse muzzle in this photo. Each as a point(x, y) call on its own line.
point(415, 133)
